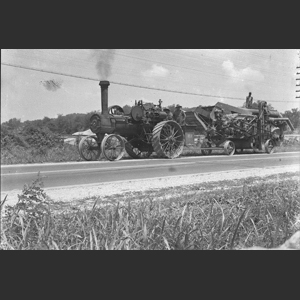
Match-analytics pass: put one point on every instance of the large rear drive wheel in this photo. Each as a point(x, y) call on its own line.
point(168, 139)
point(113, 147)
point(89, 149)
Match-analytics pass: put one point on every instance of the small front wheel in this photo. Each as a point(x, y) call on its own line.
point(113, 147)
point(89, 149)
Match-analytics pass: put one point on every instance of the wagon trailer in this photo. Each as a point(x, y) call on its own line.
point(147, 129)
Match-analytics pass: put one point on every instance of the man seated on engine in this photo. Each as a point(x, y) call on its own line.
point(179, 115)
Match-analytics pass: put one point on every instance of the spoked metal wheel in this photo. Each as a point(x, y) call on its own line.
point(206, 151)
point(113, 147)
point(229, 148)
point(269, 146)
point(89, 149)
point(135, 149)
point(168, 139)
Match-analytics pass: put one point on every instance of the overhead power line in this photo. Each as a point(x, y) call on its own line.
point(133, 85)
point(272, 75)
point(182, 67)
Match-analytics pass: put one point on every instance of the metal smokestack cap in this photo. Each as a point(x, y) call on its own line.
point(104, 83)
point(104, 96)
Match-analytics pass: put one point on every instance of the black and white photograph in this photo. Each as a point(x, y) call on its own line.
point(150, 149)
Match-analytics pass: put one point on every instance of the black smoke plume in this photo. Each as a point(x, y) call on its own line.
point(104, 58)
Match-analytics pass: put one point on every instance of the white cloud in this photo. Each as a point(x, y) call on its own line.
point(242, 74)
point(156, 71)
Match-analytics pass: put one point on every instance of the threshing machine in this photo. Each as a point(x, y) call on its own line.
point(231, 128)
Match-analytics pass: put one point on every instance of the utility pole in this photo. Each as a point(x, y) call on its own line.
point(298, 76)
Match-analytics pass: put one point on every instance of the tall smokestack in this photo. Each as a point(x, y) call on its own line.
point(104, 96)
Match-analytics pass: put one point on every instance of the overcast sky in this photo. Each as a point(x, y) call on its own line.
point(197, 74)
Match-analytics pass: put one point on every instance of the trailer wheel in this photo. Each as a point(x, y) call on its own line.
point(168, 140)
point(229, 148)
point(269, 146)
point(89, 149)
point(113, 147)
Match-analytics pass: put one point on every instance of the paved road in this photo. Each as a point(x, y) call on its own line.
point(81, 173)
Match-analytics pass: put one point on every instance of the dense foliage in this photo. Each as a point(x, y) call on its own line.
point(71, 123)
point(294, 116)
point(38, 137)
point(63, 125)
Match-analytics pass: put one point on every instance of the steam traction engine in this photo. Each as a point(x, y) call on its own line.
point(145, 130)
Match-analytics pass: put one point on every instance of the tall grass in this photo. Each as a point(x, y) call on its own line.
point(261, 214)
point(20, 155)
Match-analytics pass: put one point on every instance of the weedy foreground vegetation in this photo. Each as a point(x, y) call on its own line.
point(209, 216)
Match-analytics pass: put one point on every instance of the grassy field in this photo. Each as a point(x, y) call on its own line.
point(210, 216)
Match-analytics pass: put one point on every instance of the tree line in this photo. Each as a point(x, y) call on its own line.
point(49, 131)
